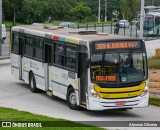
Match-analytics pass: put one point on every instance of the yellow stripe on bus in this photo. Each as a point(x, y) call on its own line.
point(121, 95)
point(120, 92)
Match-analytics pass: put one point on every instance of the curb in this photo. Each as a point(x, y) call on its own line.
point(4, 57)
point(151, 39)
point(5, 60)
point(5, 64)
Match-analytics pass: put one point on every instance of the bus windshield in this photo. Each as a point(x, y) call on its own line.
point(118, 67)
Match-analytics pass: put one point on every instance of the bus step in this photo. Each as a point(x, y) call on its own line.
point(84, 106)
point(49, 93)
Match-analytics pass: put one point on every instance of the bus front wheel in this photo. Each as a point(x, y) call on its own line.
point(72, 100)
point(32, 83)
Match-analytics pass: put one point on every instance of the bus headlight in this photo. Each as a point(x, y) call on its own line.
point(94, 93)
point(145, 91)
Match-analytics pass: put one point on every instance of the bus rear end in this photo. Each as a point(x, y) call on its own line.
point(118, 75)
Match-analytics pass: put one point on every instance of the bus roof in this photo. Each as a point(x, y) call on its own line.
point(152, 7)
point(43, 30)
point(153, 13)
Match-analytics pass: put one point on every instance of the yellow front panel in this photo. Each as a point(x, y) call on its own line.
point(120, 92)
point(122, 95)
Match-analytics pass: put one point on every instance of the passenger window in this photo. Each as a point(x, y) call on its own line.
point(70, 58)
point(39, 49)
point(59, 54)
point(28, 48)
point(15, 43)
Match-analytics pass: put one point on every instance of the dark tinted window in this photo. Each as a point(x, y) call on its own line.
point(15, 43)
point(65, 55)
point(70, 58)
point(38, 49)
point(28, 47)
point(59, 54)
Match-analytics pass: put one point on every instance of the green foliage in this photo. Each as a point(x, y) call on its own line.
point(91, 18)
point(154, 101)
point(29, 11)
point(154, 63)
point(81, 12)
point(11, 6)
point(129, 8)
point(13, 115)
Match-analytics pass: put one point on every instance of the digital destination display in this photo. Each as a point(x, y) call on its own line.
point(117, 45)
point(106, 78)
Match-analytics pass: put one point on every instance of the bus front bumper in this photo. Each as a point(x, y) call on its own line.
point(104, 104)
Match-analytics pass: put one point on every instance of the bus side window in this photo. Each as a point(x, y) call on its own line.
point(39, 49)
point(70, 58)
point(156, 21)
point(28, 47)
point(59, 54)
point(15, 43)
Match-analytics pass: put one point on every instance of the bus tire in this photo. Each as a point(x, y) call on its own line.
point(32, 83)
point(71, 99)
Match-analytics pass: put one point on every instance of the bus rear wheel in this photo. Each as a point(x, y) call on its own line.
point(72, 100)
point(32, 83)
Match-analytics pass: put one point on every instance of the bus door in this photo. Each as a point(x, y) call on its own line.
point(48, 54)
point(82, 74)
point(21, 40)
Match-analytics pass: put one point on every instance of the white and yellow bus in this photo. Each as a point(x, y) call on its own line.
point(86, 69)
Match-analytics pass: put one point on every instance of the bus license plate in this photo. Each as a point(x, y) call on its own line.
point(120, 103)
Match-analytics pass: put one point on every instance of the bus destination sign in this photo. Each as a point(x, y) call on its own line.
point(117, 45)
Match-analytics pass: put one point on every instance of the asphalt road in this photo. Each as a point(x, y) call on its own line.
point(6, 45)
point(16, 94)
point(151, 46)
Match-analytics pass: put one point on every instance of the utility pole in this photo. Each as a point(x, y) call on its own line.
point(105, 10)
point(99, 12)
point(142, 19)
point(0, 27)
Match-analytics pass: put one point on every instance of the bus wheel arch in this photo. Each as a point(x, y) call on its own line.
point(71, 98)
point(32, 82)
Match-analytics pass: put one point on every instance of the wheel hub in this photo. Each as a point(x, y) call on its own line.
point(72, 98)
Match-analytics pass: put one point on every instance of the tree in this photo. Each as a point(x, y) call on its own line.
point(129, 8)
point(81, 12)
point(11, 7)
point(112, 6)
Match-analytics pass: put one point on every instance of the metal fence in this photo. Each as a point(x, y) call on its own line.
point(131, 31)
